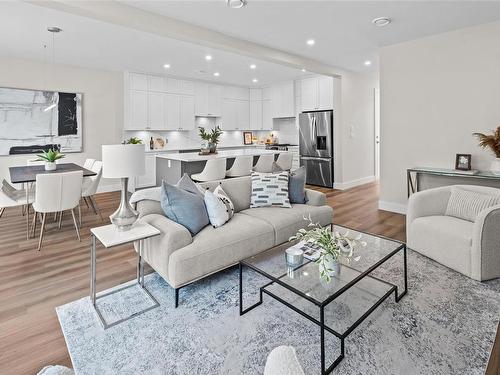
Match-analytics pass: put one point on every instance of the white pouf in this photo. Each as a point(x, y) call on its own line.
point(283, 361)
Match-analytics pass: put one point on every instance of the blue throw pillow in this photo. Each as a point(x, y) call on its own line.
point(183, 207)
point(297, 186)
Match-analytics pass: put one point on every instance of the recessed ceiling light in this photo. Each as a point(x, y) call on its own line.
point(303, 70)
point(236, 4)
point(381, 21)
point(208, 57)
point(255, 80)
point(253, 66)
point(311, 42)
point(166, 66)
point(216, 74)
point(368, 62)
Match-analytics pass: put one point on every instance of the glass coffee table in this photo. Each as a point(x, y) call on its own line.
point(354, 288)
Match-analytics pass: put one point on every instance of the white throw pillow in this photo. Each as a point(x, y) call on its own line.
point(270, 189)
point(217, 211)
point(467, 204)
point(221, 194)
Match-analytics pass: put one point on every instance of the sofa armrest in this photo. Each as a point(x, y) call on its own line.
point(485, 256)
point(315, 198)
point(427, 203)
point(157, 249)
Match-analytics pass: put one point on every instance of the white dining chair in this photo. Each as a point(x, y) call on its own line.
point(57, 192)
point(242, 166)
point(88, 163)
point(264, 164)
point(12, 197)
point(90, 185)
point(285, 160)
point(215, 169)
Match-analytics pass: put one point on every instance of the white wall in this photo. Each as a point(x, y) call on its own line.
point(435, 92)
point(102, 104)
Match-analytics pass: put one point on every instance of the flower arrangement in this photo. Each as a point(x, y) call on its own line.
point(333, 244)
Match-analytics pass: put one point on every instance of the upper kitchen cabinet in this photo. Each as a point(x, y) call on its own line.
point(179, 112)
point(208, 100)
point(138, 81)
point(283, 100)
point(235, 114)
point(316, 93)
point(137, 110)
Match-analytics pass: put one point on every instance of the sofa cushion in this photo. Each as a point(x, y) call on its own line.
point(221, 194)
point(467, 204)
point(218, 212)
point(183, 207)
point(286, 223)
point(238, 189)
point(214, 249)
point(297, 185)
point(445, 239)
point(270, 189)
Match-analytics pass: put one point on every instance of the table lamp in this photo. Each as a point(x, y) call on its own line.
point(123, 161)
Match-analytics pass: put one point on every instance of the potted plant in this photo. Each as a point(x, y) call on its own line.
point(334, 245)
point(491, 141)
point(49, 157)
point(133, 141)
point(211, 138)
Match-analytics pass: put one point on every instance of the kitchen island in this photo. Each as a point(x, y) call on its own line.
point(171, 167)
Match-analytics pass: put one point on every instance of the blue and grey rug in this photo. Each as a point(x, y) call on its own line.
point(446, 324)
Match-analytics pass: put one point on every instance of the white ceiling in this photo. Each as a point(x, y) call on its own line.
point(95, 44)
point(344, 34)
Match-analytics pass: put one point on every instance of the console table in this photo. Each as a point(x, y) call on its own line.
point(480, 177)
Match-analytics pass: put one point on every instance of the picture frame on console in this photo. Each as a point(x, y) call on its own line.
point(463, 162)
point(247, 138)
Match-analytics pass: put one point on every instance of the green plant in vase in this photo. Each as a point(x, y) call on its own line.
point(212, 137)
point(133, 141)
point(50, 157)
point(334, 245)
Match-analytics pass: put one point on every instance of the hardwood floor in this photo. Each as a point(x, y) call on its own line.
point(33, 283)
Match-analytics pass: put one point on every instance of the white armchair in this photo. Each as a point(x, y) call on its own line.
point(471, 248)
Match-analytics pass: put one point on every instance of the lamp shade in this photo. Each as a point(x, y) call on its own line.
point(120, 161)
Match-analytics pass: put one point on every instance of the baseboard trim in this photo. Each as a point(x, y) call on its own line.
point(109, 188)
point(353, 183)
point(392, 207)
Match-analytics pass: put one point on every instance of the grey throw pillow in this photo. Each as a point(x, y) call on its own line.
point(297, 186)
point(183, 207)
point(467, 204)
point(186, 183)
point(270, 189)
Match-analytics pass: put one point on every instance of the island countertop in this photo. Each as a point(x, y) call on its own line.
point(195, 157)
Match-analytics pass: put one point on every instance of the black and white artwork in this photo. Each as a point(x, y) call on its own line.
point(35, 120)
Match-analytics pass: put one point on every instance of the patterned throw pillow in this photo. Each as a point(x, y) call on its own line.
point(270, 189)
point(467, 204)
point(221, 194)
point(216, 209)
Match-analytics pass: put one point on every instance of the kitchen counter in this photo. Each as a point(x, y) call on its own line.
point(195, 157)
point(173, 150)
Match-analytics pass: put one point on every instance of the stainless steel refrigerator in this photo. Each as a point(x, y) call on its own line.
point(316, 146)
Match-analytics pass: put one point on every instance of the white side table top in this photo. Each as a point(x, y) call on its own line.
point(110, 236)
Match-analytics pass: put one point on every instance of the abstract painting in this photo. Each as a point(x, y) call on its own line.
point(36, 120)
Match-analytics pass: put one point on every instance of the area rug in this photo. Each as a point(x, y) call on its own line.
point(446, 324)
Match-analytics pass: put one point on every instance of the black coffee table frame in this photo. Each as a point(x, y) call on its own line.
point(321, 322)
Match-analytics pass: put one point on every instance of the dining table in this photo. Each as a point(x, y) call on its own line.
point(26, 175)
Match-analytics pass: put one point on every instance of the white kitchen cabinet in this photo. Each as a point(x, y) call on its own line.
point(187, 112)
point(149, 178)
point(155, 83)
point(283, 100)
point(138, 110)
point(156, 119)
point(172, 104)
point(316, 93)
point(255, 115)
point(267, 116)
point(172, 85)
point(187, 87)
point(243, 114)
point(255, 94)
point(229, 115)
point(138, 81)
point(207, 100)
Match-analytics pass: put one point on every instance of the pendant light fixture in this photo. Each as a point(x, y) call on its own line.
point(236, 4)
point(54, 30)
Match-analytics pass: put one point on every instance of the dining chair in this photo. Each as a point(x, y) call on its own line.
point(215, 169)
point(264, 164)
point(88, 163)
point(57, 192)
point(11, 197)
point(284, 160)
point(90, 185)
point(242, 166)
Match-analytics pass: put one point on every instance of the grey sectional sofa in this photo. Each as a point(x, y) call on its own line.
point(182, 259)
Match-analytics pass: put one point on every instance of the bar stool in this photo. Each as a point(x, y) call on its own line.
point(285, 160)
point(215, 169)
point(242, 166)
point(264, 164)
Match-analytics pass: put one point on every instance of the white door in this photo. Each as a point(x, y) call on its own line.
point(187, 112)
point(325, 93)
point(173, 111)
point(138, 118)
point(255, 115)
point(155, 111)
point(243, 113)
point(376, 121)
point(309, 94)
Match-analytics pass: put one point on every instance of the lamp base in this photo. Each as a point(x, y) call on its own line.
point(125, 216)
